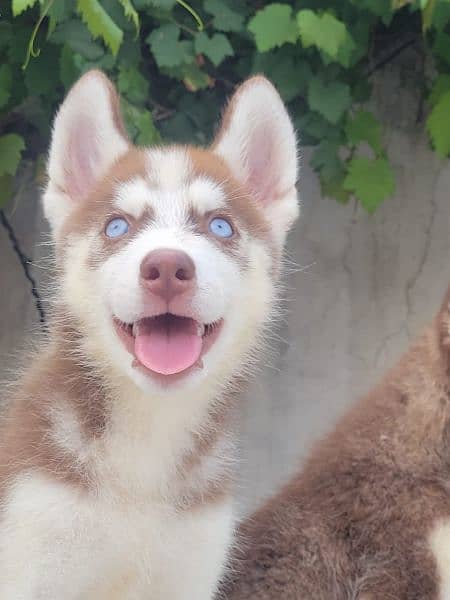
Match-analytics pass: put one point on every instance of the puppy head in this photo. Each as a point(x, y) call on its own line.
point(169, 255)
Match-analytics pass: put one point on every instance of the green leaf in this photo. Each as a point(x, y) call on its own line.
point(289, 76)
point(6, 34)
point(42, 75)
point(438, 125)
point(334, 189)
point(225, 18)
point(441, 46)
point(325, 32)
point(57, 12)
point(326, 160)
point(19, 6)
point(428, 7)
point(331, 100)
point(441, 15)
point(76, 35)
point(131, 13)
point(11, 148)
point(364, 127)
point(100, 23)
point(273, 26)
point(440, 86)
point(167, 49)
point(372, 181)
point(140, 125)
point(194, 78)
point(5, 84)
point(380, 8)
point(216, 48)
point(132, 84)
point(6, 189)
point(68, 71)
point(164, 5)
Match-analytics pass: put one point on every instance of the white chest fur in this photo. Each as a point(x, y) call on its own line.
point(55, 542)
point(127, 537)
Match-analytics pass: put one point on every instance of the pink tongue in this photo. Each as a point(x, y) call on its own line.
point(167, 345)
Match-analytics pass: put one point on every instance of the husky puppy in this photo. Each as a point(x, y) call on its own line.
point(368, 518)
point(116, 448)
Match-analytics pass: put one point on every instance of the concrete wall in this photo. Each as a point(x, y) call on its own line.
point(369, 285)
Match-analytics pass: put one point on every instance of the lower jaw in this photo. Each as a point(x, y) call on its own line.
point(127, 340)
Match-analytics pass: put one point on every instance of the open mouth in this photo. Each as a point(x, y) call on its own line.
point(168, 344)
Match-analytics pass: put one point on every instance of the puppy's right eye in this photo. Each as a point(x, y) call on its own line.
point(117, 227)
point(221, 227)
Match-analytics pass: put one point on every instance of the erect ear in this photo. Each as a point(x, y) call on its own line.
point(258, 143)
point(88, 136)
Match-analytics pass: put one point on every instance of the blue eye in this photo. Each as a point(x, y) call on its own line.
point(220, 227)
point(116, 227)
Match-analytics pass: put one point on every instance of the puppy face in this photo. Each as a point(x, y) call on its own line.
point(169, 255)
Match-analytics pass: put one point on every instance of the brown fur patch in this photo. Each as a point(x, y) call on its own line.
point(356, 522)
point(56, 379)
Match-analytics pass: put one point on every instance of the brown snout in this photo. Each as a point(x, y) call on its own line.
point(167, 273)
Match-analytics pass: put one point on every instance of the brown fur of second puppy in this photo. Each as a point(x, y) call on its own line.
point(368, 518)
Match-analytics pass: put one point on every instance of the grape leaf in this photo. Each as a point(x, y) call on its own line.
point(331, 100)
point(76, 35)
point(225, 18)
point(42, 76)
point(6, 189)
point(132, 84)
point(273, 26)
point(372, 181)
point(68, 71)
point(11, 148)
point(5, 84)
point(19, 6)
point(380, 8)
point(334, 189)
point(216, 48)
point(441, 15)
point(326, 160)
point(131, 13)
point(162, 4)
point(441, 85)
point(140, 125)
point(289, 76)
point(441, 46)
point(167, 49)
point(364, 127)
point(326, 33)
point(194, 78)
point(100, 23)
point(438, 125)
point(57, 12)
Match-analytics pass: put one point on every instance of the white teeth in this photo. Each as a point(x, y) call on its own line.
point(200, 329)
point(134, 329)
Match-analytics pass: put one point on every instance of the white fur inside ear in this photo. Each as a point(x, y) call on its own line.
point(258, 142)
point(86, 141)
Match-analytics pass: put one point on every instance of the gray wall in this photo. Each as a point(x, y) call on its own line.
point(369, 285)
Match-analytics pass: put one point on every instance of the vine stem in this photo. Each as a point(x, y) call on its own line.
point(25, 263)
point(31, 52)
point(190, 10)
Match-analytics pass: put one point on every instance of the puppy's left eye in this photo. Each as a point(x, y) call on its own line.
point(116, 227)
point(221, 227)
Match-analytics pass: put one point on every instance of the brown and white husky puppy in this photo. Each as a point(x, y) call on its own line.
point(369, 516)
point(116, 449)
